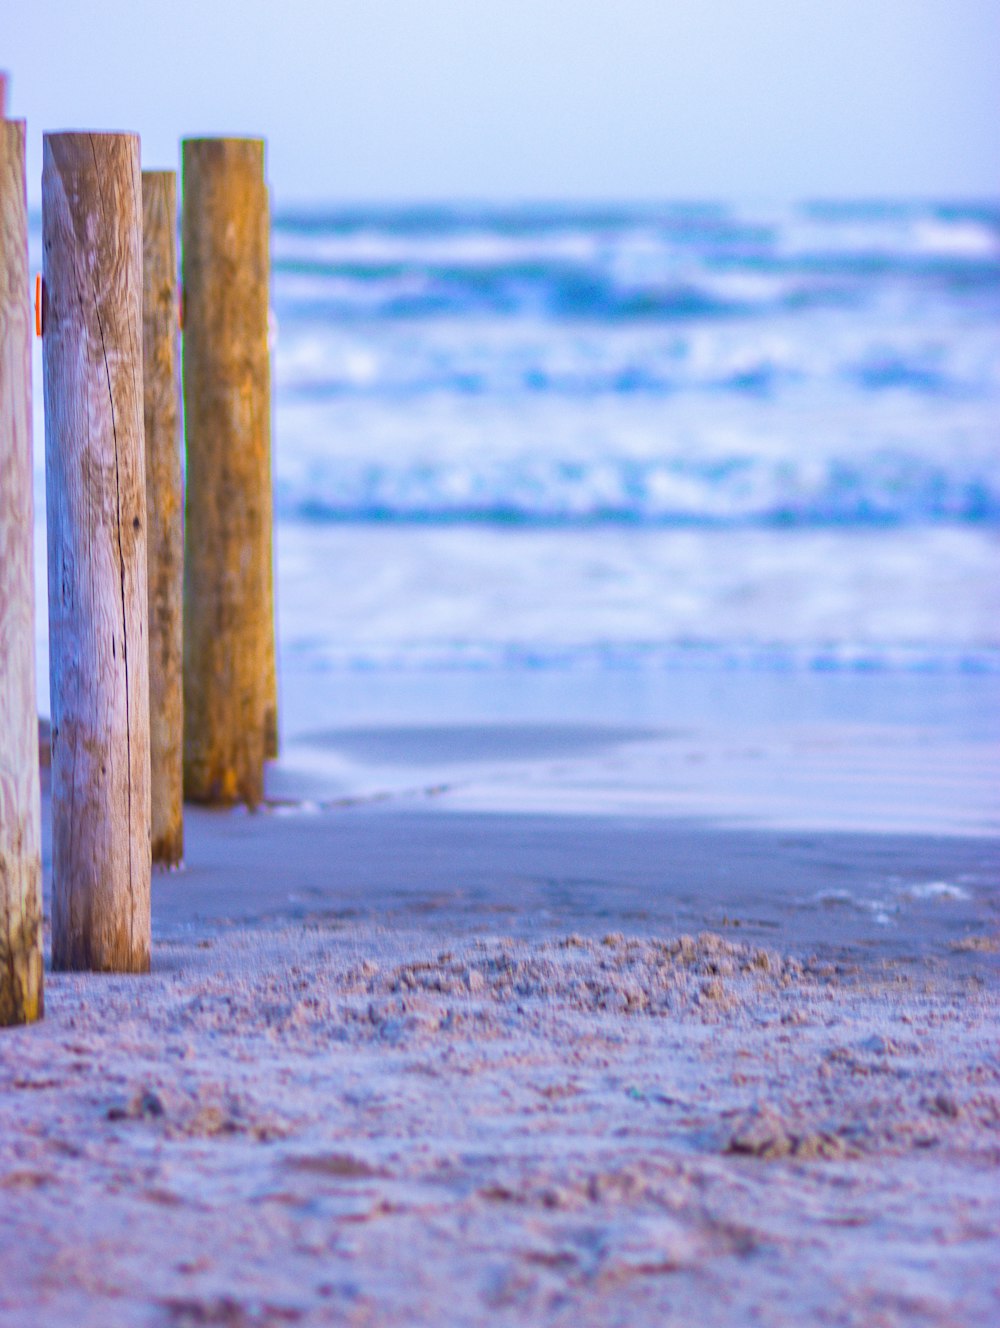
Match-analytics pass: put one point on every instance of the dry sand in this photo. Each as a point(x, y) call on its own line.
point(403, 1065)
point(334, 1124)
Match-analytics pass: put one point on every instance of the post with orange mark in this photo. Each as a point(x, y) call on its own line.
point(228, 614)
point(21, 983)
point(96, 505)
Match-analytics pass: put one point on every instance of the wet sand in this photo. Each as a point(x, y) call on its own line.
point(463, 873)
point(401, 1060)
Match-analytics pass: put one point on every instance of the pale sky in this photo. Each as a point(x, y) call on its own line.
point(400, 100)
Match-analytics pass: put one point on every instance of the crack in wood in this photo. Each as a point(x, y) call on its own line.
point(121, 579)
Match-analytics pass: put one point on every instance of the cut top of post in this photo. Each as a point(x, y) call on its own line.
point(75, 151)
point(75, 137)
point(252, 150)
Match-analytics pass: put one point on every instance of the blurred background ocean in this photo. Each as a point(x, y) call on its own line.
point(635, 438)
point(707, 464)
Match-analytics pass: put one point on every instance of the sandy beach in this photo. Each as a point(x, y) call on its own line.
point(411, 1056)
point(529, 474)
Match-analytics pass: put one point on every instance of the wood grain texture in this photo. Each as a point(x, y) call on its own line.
point(227, 615)
point(21, 983)
point(96, 504)
point(271, 735)
point(164, 512)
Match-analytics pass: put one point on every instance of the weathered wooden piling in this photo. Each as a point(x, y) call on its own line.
point(271, 736)
point(96, 504)
point(164, 511)
point(228, 616)
point(21, 985)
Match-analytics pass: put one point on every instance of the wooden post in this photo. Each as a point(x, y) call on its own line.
point(3, 94)
point(270, 644)
point(96, 502)
point(227, 617)
point(164, 511)
point(21, 991)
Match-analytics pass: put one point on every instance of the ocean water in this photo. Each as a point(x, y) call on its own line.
point(635, 440)
point(639, 438)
